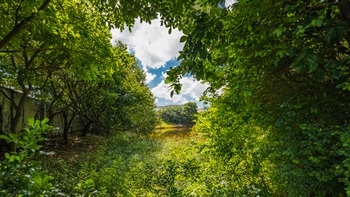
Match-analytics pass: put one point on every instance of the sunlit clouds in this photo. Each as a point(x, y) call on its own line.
point(155, 49)
point(152, 44)
point(191, 91)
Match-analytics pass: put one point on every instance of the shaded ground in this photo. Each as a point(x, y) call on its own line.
point(90, 143)
point(77, 144)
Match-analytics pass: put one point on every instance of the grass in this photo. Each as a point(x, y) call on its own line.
point(164, 125)
point(126, 165)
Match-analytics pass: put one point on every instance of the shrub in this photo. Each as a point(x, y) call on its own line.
point(20, 174)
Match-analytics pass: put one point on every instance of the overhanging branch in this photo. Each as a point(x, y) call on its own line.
point(18, 28)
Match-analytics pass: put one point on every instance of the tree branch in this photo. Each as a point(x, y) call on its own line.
point(13, 62)
point(36, 54)
point(8, 97)
point(18, 28)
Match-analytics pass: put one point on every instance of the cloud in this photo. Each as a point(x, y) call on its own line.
point(230, 2)
point(149, 77)
point(226, 3)
point(193, 87)
point(164, 75)
point(191, 91)
point(157, 50)
point(152, 44)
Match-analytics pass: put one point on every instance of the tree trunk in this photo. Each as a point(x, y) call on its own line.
point(65, 127)
point(67, 124)
point(86, 128)
point(15, 119)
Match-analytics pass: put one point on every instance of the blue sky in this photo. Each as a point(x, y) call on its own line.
point(156, 52)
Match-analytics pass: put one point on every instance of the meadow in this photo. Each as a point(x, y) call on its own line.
point(165, 163)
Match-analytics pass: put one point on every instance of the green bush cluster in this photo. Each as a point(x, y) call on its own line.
point(20, 173)
point(280, 125)
point(297, 148)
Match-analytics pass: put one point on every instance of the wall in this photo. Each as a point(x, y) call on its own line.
point(32, 108)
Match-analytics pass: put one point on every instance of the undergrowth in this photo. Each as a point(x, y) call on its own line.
point(166, 163)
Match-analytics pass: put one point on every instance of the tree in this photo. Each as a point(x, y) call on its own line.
point(190, 110)
point(58, 50)
point(180, 114)
point(282, 120)
point(19, 15)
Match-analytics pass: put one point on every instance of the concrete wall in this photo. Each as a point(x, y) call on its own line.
point(32, 108)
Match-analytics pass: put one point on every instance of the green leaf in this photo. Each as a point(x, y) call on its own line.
point(183, 39)
point(177, 88)
point(45, 121)
point(278, 32)
point(4, 137)
point(317, 22)
point(180, 57)
point(300, 30)
point(7, 155)
point(247, 93)
point(12, 158)
point(13, 137)
point(196, 49)
point(312, 64)
point(38, 180)
point(167, 80)
point(186, 31)
point(249, 28)
point(31, 122)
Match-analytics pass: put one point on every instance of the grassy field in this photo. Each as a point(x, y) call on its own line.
point(164, 125)
point(162, 164)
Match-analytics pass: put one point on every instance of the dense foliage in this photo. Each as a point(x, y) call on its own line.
point(179, 114)
point(20, 173)
point(63, 57)
point(282, 121)
point(280, 126)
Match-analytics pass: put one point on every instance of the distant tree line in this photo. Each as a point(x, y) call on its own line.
point(180, 114)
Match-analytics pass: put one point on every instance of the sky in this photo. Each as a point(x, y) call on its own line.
point(156, 51)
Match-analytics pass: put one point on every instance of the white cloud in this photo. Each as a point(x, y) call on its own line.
point(230, 2)
point(191, 88)
point(226, 3)
point(154, 47)
point(149, 77)
point(164, 75)
point(152, 44)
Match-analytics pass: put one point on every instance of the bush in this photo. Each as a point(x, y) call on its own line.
point(20, 174)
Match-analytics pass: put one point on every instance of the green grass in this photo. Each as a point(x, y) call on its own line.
point(126, 165)
point(164, 125)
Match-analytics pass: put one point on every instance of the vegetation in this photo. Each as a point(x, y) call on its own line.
point(281, 124)
point(184, 115)
point(124, 165)
point(20, 173)
point(280, 127)
point(56, 57)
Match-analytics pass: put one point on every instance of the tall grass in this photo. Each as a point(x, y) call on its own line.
point(164, 164)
